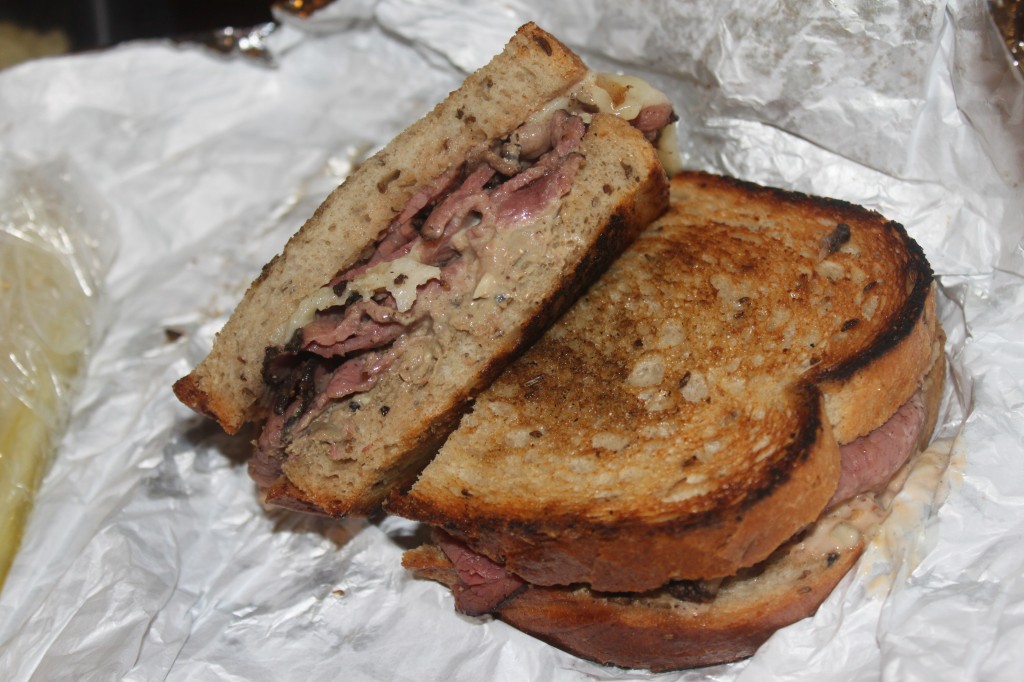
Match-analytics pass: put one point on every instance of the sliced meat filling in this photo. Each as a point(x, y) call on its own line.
point(482, 584)
point(869, 462)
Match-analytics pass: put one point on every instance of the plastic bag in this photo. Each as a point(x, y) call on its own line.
point(56, 243)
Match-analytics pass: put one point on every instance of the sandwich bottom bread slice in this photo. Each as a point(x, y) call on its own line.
point(698, 451)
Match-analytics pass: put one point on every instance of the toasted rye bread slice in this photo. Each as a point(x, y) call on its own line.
point(533, 69)
point(682, 420)
point(658, 631)
point(360, 449)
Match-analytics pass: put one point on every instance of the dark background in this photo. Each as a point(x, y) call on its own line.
point(99, 23)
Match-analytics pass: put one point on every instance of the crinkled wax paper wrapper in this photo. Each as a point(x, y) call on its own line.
point(148, 556)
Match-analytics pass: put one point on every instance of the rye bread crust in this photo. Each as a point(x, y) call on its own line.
point(659, 632)
point(533, 68)
point(771, 288)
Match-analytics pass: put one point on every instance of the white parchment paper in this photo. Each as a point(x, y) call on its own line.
point(147, 555)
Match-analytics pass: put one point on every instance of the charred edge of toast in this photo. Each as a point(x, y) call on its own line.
point(918, 267)
point(190, 392)
point(731, 507)
point(905, 320)
point(187, 391)
point(626, 222)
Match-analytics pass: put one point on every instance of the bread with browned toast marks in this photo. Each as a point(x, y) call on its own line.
point(683, 420)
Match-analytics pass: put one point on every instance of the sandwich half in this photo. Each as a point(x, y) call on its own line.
point(356, 349)
point(697, 452)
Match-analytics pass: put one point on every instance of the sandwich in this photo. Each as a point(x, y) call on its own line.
point(355, 351)
point(700, 448)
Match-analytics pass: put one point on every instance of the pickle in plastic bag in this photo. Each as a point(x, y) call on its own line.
point(56, 243)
